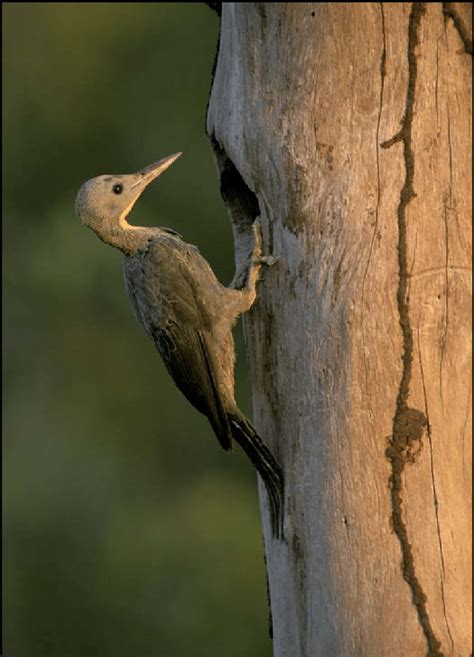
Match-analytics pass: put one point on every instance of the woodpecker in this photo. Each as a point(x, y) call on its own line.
point(185, 310)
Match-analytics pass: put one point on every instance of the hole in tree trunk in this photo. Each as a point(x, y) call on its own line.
point(240, 201)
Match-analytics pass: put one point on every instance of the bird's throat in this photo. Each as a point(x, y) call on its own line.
point(126, 238)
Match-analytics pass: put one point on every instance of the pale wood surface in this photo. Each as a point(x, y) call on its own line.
point(304, 94)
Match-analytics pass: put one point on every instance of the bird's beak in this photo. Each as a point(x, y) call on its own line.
point(152, 171)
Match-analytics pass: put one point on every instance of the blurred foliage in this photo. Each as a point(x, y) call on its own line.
point(127, 530)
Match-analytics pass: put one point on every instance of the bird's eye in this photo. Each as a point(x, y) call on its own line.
point(118, 188)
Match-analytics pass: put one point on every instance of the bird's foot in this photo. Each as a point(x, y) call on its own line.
point(257, 257)
point(257, 239)
point(249, 270)
point(266, 260)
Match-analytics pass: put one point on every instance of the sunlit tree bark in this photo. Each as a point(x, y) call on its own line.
point(347, 128)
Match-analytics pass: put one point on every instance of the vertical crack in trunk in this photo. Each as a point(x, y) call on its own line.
point(408, 423)
point(450, 12)
point(444, 337)
point(447, 205)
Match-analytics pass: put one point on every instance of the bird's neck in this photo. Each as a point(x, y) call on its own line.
point(129, 239)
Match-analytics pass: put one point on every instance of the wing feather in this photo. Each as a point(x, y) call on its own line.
point(168, 302)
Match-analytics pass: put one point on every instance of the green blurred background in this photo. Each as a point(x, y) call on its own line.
point(127, 530)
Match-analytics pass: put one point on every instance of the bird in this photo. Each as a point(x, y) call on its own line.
point(186, 311)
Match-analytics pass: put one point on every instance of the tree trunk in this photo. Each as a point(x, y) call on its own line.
point(347, 127)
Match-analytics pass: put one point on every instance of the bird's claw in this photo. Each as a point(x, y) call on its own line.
point(257, 257)
point(266, 260)
point(257, 237)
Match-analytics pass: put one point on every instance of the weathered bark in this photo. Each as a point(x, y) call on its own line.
point(348, 128)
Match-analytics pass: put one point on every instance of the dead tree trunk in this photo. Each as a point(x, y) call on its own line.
point(347, 128)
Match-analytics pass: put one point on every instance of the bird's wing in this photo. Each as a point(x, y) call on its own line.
point(187, 357)
point(181, 328)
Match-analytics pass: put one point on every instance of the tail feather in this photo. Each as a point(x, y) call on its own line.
point(249, 440)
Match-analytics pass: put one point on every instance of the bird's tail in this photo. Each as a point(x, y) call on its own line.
point(245, 435)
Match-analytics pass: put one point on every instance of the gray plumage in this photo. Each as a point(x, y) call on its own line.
point(185, 310)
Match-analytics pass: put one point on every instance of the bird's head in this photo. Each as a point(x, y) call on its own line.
point(103, 203)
